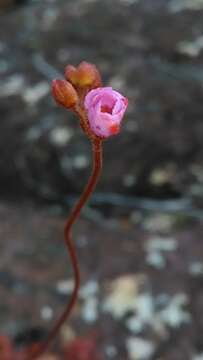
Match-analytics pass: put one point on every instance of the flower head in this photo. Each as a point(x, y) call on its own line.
point(100, 109)
point(105, 109)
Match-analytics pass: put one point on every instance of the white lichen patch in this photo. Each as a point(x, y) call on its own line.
point(174, 314)
point(197, 171)
point(156, 247)
point(46, 313)
point(49, 18)
point(117, 82)
point(60, 136)
point(111, 351)
point(125, 298)
point(198, 357)
point(122, 295)
point(181, 5)
point(33, 94)
point(144, 313)
point(65, 287)
point(13, 85)
point(156, 260)
point(139, 348)
point(164, 244)
point(135, 324)
point(158, 313)
point(196, 268)
point(90, 302)
point(191, 48)
point(159, 223)
point(80, 161)
point(89, 289)
point(160, 176)
point(89, 310)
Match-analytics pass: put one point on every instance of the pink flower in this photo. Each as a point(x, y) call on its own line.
point(105, 108)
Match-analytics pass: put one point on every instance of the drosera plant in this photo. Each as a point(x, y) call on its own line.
point(100, 111)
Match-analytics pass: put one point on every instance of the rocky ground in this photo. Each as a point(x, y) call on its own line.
point(140, 239)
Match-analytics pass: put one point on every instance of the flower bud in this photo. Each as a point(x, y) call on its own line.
point(64, 93)
point(86, 75)
point(71, 74)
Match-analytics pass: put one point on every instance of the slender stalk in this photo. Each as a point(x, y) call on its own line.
point(94, 177)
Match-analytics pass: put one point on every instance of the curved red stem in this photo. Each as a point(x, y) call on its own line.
point(94, 177)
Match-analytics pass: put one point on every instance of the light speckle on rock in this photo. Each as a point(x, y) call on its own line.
point(129, 180)
point(110, 351)
point(155, 247)
point(159, 223)
point(191, 48)
point(174, 314)
point(198, 357)
point(180, 5)
point(156, 259)
point(46, 313)
point(13, 85)
point(164, 244)
point(135, 324)
point(60, 136)
point(80, 161)
point(196, 268)
point(197, 171)
point(49, 17)
point(89, 310)
point(144, 313)
point(122, 296)
point(88, 292)
point(117, 82)
point(3, 66)
point(159, 176)
point(31, 95)
point(145, 306)
point(139, 348)
point(65, 287)
point(162, 300)
point(89, 289)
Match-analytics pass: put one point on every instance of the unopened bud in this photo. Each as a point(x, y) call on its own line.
point(86, 75)
point(64, 93)
point(71, 74)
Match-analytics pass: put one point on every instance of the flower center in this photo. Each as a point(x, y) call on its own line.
point(106, 109)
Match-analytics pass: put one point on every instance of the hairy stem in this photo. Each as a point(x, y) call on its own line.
point(97, 167)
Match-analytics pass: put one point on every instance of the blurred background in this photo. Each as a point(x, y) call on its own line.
point(139, 240)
